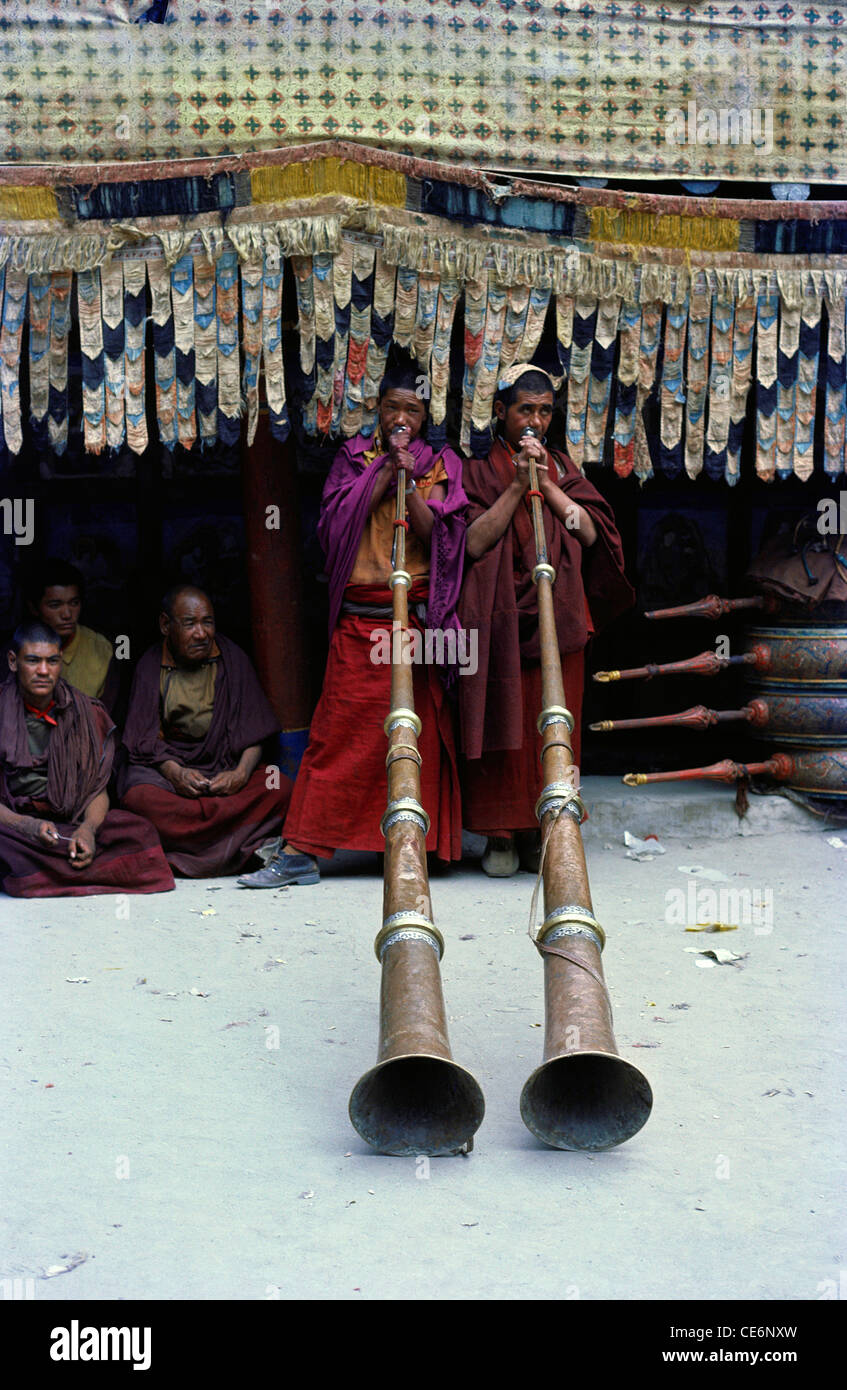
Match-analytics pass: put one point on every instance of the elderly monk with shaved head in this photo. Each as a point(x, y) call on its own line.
point(196, 723)
point(58, 836)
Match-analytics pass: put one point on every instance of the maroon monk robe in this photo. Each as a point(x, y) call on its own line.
point(500, 703)
point(79, 758)
point(207, 835)
point(339, 795)
point(340, 792)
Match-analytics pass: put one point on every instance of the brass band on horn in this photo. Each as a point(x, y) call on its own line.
point(583, 1095)
point(416, 1100)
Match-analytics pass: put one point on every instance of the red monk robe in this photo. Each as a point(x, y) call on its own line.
point(499, 705)
point(53, 764)
point(339, 794)
point(207, 835)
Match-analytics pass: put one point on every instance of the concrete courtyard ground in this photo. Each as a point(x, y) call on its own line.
point(176, 1084)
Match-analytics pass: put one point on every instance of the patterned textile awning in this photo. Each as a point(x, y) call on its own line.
point(690, 306)
point(733, 89)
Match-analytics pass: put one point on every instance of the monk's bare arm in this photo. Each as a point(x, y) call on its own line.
point(96, 811)
point(570, 513)
point(421, 515)
point(43, 831)
point(225, 783)
point(488, 528)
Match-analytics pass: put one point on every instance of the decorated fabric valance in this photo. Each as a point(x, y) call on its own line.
point(661, 301)
point(737, 89)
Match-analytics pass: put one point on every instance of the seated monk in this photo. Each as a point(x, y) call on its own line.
point(57, 834)
point(54, 596)
point(196, 722)
point(500, 703)
point(339, 794)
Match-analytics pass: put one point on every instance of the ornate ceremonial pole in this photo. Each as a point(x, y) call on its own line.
point(704, 664)
point(584, 1095)
point(713, 606)
point(274, 571)
point(416, 1100)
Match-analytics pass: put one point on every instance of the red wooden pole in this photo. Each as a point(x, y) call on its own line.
point(274, 570)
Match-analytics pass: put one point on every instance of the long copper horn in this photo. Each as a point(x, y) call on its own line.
point(698, 717)
point(713, 606)
point(706, 663)
point(416, 1100)
point(780, 767)
point(584, 1095)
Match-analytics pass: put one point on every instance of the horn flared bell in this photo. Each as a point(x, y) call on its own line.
point(586, 1100)
point(583, 1095)
point(416, 1100)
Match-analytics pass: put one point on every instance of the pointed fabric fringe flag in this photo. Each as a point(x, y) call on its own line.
point(60, 327)
point(2, 383)
point(584, 321)
point(342, 289)
point(651, 323)
point(742, 375)
point(564, 331)
point(697, 378)
point(786, 396)
point(93, 367)
point(380, 335)
point(272, 346)
point(717, 432)
point(476, 298)
point(11, 332)
point(229, 374)
point(672, 390)
point(135, 316)
point(114, 349)
point(807, 380)
point(439, 370)
point(485, 382)
point(517, 305)
point(182, 295)
point(600, 383)
point(624, 431)
point(356, 416)
point(164, 352)
point(836, 391)
point(766, 386)
point(40, 306)
point(324, 300)
point(428, 286)
point(205, 349)
point(303, 282)
point(251, 318)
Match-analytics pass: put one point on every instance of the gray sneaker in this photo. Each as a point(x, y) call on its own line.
point(284, 870)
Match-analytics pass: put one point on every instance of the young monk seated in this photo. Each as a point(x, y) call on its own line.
point(54, 595)
point(196, 722)
point(501, 702)
point(57, 834)
point(339, 795)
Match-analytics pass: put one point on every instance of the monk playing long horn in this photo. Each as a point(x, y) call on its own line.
point(500, 703)
point(196, 723)
point(340, 788)
point(57, 834)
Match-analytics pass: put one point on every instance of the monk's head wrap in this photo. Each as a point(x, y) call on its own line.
point(512, 376)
